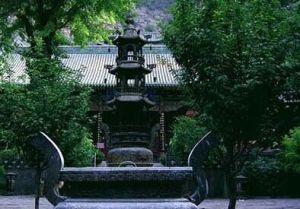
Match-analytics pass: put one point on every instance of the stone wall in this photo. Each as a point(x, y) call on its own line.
point(25, 181)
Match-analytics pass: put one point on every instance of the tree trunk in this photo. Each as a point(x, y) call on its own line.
point(48, 45)
point(231, 189)
point(232, 202)
point(38, 185)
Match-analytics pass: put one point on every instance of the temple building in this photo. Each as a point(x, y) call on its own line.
point(135, 92)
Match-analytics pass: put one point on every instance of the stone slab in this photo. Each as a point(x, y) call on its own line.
point(126, 204)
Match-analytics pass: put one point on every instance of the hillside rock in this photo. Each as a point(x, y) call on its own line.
point(152, 13)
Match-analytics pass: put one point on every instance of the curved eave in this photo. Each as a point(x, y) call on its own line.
point(130, 69)
point(131, 99)
point(158, 85)
point(124, 39)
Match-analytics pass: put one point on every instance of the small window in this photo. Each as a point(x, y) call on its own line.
point(130, 53)
point(131, 82)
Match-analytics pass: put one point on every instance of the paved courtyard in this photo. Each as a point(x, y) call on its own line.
point(27, 202)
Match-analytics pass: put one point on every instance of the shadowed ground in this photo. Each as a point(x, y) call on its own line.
point(27, 202)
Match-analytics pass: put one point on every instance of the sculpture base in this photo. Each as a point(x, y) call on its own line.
point(126, 183)
point(139, 156)
point(126, 204)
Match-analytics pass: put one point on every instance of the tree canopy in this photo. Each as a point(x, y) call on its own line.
point(45, 23)
point(56, 106)
point(53, 101)
point(238, 58)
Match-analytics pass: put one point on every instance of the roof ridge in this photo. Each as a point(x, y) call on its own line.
point(106, 49)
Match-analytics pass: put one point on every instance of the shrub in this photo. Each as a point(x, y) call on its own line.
point(291, 150)
point(54, 102)
point(2, 180)
point(186, 133)
point(8, 155)
point(85, 152)
point(264, 176)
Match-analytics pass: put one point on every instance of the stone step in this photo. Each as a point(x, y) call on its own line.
point(126, 204)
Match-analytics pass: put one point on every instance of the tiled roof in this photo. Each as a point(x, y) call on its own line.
point(91, 62)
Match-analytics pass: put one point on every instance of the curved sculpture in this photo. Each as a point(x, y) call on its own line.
point(198, 154)
point(53, 162)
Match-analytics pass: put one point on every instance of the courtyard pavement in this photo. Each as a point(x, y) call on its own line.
point(27, 202)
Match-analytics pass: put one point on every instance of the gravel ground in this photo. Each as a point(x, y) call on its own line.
point(27, 202)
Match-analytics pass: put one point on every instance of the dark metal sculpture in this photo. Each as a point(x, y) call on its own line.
point(53, 163)
point(54, 171)
point(196, 158)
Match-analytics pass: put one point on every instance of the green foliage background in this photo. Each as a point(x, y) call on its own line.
point(186, 132)
point(48, 21)
point(268, 176)
point(264, 173)
point(291, 151)
point(55, 103)
point(238, 58)
point(2, 180)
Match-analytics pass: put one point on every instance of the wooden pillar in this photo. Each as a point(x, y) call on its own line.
point(99, 131)
point(162, 131)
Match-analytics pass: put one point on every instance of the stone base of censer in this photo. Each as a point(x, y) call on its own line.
point(130, 156)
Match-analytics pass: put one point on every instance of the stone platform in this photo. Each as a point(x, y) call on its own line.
point(126, 182)
point(27, 202)
point(126, 204)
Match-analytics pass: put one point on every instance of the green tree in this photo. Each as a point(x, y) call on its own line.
point(186, 132)
point(43, 23)
point(238, 58)
point(291, 151)
point(56, 106)
point(53, 101)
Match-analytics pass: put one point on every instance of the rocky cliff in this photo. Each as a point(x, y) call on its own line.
point(152, 13)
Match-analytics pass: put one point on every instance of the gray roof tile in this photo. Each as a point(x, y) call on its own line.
point(91, 61)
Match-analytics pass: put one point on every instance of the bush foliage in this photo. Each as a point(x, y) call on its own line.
point(54, 102)
point(291, 151)
point(263, 175)
point(238, 58)
point(186, 133)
